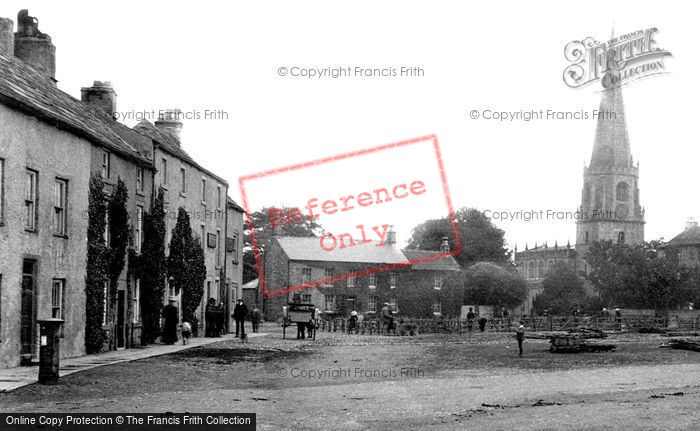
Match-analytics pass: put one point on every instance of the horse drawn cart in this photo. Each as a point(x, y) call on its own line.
point(301, 314)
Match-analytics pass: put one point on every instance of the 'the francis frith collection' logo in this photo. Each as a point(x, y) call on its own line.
point(618, 61)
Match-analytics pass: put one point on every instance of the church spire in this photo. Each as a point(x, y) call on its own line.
point(611, 148)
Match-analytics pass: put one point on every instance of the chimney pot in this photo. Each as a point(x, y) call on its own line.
point(34, 47)
point(691, 223)
point(391, 237)
point(101, 95)
point(170, 121)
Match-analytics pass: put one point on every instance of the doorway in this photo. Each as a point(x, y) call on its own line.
point(28, 312)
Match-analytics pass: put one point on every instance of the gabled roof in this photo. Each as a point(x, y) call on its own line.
point(171, 145)
point(445, 263)
point(25, 89)
point(690, 236)
point(232, 204)
point(309, 249)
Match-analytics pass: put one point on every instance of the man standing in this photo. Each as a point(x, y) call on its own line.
point(239, 314)
point(520, 336)
point(170, 325)
point(387, 317)
point(470, 319)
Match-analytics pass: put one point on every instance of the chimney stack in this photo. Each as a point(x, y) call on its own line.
point(7, 37)
point(170, 122)
point(101, 96)
point(691, 223)
point(445, 246)
point(34, 47)
point(391, 237)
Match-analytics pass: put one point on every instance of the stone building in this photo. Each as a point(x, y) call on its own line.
point(50, 143)
point(203, 195)
point(684, 247)
point(234, 258)
point(346, 279)
point(610, 200)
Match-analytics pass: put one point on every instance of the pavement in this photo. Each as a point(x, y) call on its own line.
point(17, 377)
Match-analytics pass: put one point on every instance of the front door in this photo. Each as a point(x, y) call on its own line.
point(28, 319)
point(120, 318)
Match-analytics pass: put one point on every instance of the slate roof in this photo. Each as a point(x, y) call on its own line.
point(29, 91)
point(232, 204)
point(171, 145)
point(690, 236)
point(446, 263)
point(308, 248)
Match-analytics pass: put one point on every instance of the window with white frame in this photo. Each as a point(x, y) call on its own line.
point(106, 164)
point(58, 290)
point(136, 300)
point(392, 280)
point(305, 275)
point(373, 280)
point(60, 193)
point(372, 304)
point(329, 274)
point(139, 179)
point(351, 280)
point(437, 307)
point(138, 229)
point(329, 303)
point(183, 180)
point(30, 199)
point(392, 303)
point(437, 282)
point(105, 290)
point(306, 298)
point(204, 190)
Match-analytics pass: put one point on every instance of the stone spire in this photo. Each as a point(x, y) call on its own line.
point(611, 148)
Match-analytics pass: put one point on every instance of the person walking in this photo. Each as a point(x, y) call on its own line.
point(470, 319)
point(210, 318)
point(239, 314)
point(520, 336)
point(170, 316)
point(256, 318)
point(186, 332)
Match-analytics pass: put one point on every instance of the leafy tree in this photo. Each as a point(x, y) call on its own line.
point(96, 262)
point(562, 291)
point(118, 241)
point(489, 284)
point(263, 233)
point(635, 276)
point(186, 265)
point(152, 269)
point(480, 239)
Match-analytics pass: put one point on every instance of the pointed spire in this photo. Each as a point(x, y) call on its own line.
point(525, 246)
point(568, 244)
point(516, 248)
point(556, 246)
point(611, 148)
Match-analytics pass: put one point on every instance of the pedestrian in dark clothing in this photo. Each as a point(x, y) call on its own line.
point(210, 318)
point(470, 319)
point(520, 336)
point(256, 318)
point(239, 314)
point(170, 316)
point(482, 324)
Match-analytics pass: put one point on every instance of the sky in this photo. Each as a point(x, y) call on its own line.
point(502, 56)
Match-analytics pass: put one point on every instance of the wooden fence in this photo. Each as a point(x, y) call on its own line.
point(543, 323)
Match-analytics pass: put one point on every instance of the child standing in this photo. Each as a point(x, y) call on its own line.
point(186, 332)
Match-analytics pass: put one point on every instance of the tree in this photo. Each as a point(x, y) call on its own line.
point(262, 227)
point(152, 269)
point(489, 284)
point(635, 276)
point(480, 239)
point(118, 241)
point(96, 275)
point(562, 291)
point(186, 266)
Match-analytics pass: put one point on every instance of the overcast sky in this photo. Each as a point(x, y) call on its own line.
point(505, 56)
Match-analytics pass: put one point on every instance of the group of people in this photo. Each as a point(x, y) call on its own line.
point(215, 321)
point(471, 316)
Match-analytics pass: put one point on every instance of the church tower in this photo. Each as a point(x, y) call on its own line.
point(610, 199)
